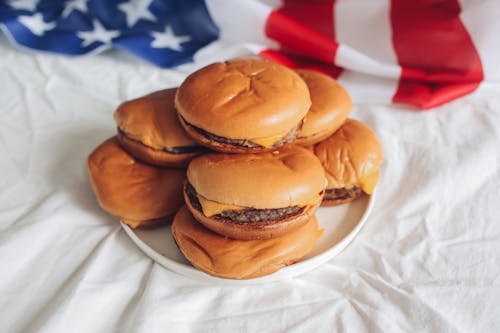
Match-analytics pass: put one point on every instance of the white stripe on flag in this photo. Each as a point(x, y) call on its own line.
point(365, 26)
point(482, 23)
point(364, 32)
point(365, 89)
point(241, 25)
point(241, 21)
point(352, 59)
point(363, 29)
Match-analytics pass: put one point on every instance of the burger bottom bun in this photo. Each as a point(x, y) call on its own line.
point(239, 259)
point(155, 156)
point(148, 224)
point(252, 230)
point(222, 146)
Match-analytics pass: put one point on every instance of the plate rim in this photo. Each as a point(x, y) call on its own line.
point(287, 272)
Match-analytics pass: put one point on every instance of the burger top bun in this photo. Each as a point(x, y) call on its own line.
point(240, 259)
point(131, 190)
point(244, 99)
point(152, 120)
point(290, 176)
point(352, 156)
point(330, 107)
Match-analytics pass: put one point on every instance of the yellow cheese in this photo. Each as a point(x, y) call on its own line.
point(313, 201)
point(132, 223)
point(368, 183)
point(269, 141)
point(211, 208)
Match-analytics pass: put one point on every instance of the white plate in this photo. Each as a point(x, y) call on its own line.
point(341, 223)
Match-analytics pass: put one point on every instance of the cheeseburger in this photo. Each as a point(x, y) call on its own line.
point(255, 196)
point(243, 105)
point(148, 128)
point(240, 259)
point(351, 157)
point(330, 107)
point(137, 193)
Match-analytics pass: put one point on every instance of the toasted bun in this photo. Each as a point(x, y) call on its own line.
point(237, 259)
point(243, 99)
point(253, 230)
point(131, 190)
point(288, 177)
point(156, 156)
point(352, 156)
point(152, 120)
point(330, 107)
point(148, 224)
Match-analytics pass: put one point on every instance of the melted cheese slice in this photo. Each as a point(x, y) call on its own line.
point(368, 183)
point(211, 208)
point(313, 201)
point(269, 141)
point(132, 223)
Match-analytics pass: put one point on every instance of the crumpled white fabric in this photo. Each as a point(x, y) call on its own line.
point(428, 258)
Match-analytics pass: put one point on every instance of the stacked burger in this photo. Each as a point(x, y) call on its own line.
point(264, 147)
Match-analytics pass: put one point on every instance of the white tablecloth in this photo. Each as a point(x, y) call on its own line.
point(428, 258)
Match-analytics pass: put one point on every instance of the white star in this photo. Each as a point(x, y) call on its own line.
point(23, 4)
point(98, 34)
point(168, 39)
point(136, 10)
point(36, 24)
point(70, 6)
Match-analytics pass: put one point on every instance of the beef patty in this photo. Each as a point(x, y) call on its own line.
point(171, 150)
point(342, 193)
point(247, 215)
point(242, 142)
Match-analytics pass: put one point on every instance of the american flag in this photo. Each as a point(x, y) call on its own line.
point(423, 53)
point(166, 33)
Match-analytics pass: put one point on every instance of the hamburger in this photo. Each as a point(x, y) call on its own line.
point(138, 194)
point(255, 196)
point(330, 107)
point(148, 128)
point(240, 259)
point(351, 157)
point(243, 105)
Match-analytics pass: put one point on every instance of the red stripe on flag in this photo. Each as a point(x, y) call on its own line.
point(438, 58)
point(316, 14)
point(305, 31)
point(294, 61)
